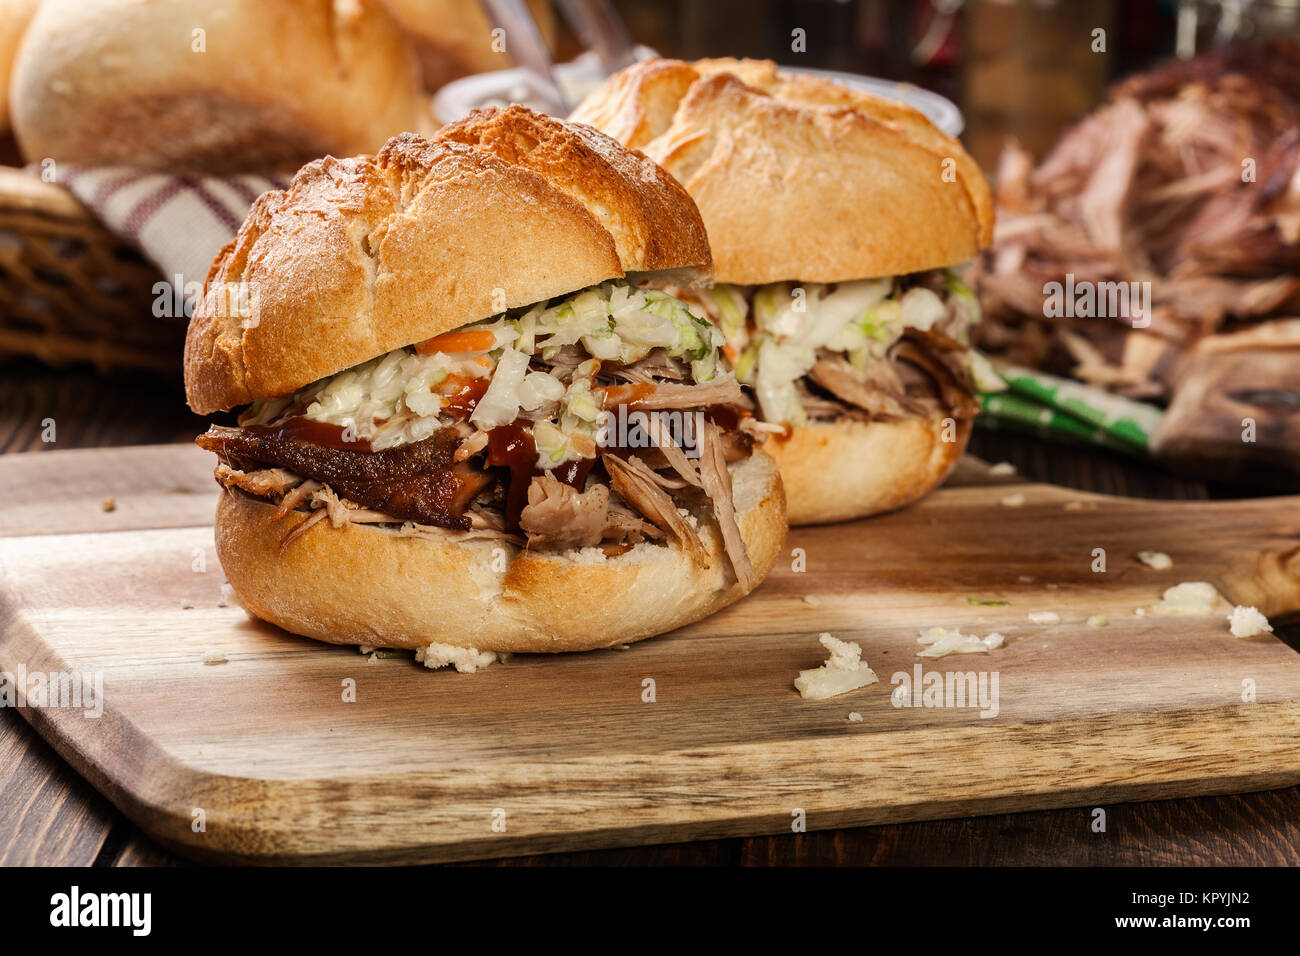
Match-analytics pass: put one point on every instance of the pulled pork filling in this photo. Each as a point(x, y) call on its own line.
point(874, 349)
point(602, 419)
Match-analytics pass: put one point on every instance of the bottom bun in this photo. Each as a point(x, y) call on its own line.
point(361, 584)
point(836, 471)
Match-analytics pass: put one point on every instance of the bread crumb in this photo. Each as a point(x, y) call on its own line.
point(1081, 506)
point(1013, 501)
point(1026, 579)
point(1248, 622)
point(845, 655)
point(855, 717)
point(1190, 597)
point(214, 657)
point(466, 660)
point(812, 600)
point(186, 604)
point(939, 642)
point(108, 504)
point(366, 648)
point(1140, 612)
point(844, 670)
point(1002, 468)
point(1044, 617)
point(228, 596)
point(1156, 560)
point(1098, 620)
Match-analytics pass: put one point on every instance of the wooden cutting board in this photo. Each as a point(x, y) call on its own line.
point(550, 753)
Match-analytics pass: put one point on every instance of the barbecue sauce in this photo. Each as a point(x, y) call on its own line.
point(512, 446)
point(469, 392)
point(308, 429)
point(726, 417)
point(629, 396)
point(573, 473)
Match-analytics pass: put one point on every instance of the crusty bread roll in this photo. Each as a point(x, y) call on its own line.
point(798, 177)
point(14, 17)
point(213, 85)
point(361, 256)
point(453, 38)
point(418, 591)
point(845, 469)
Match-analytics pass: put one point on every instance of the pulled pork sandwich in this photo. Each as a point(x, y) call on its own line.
point(472, 418)
point(834, 217)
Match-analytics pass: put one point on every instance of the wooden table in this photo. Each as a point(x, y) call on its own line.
point(50, 816)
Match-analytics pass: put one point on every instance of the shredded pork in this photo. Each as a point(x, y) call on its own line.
point(877, 390)
point(636, 483)
point(717, 485)
point(722, 389)
point(1187, 178)
point(558, 516)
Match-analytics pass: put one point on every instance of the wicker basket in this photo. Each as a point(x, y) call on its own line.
point(71, 291)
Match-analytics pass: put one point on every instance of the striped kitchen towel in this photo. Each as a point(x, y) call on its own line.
point(179, 222)
point(1054, 407)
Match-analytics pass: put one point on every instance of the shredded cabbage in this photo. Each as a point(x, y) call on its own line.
point(500, 403)
point(394, 398)
point(618, 322)
point(779, 367)
point(862, 320)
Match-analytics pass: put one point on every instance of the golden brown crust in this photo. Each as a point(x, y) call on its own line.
point(360, 256)
point(363, 585)
point(797, 177)
point(267, 85)
point(652, 219)
point(636, 105)
point(841, 470)
point(14, 17)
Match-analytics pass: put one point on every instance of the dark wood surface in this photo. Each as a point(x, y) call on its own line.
point(49, 815)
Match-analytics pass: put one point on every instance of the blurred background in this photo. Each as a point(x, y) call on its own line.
point(1016, 67)
point(134, 134)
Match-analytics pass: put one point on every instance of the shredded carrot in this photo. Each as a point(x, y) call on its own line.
point(484, 361)
point(477, 340)
point(731, 352)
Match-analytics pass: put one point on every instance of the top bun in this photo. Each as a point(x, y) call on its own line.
point(798, 177)
point(361, 256)
point(212, 85)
